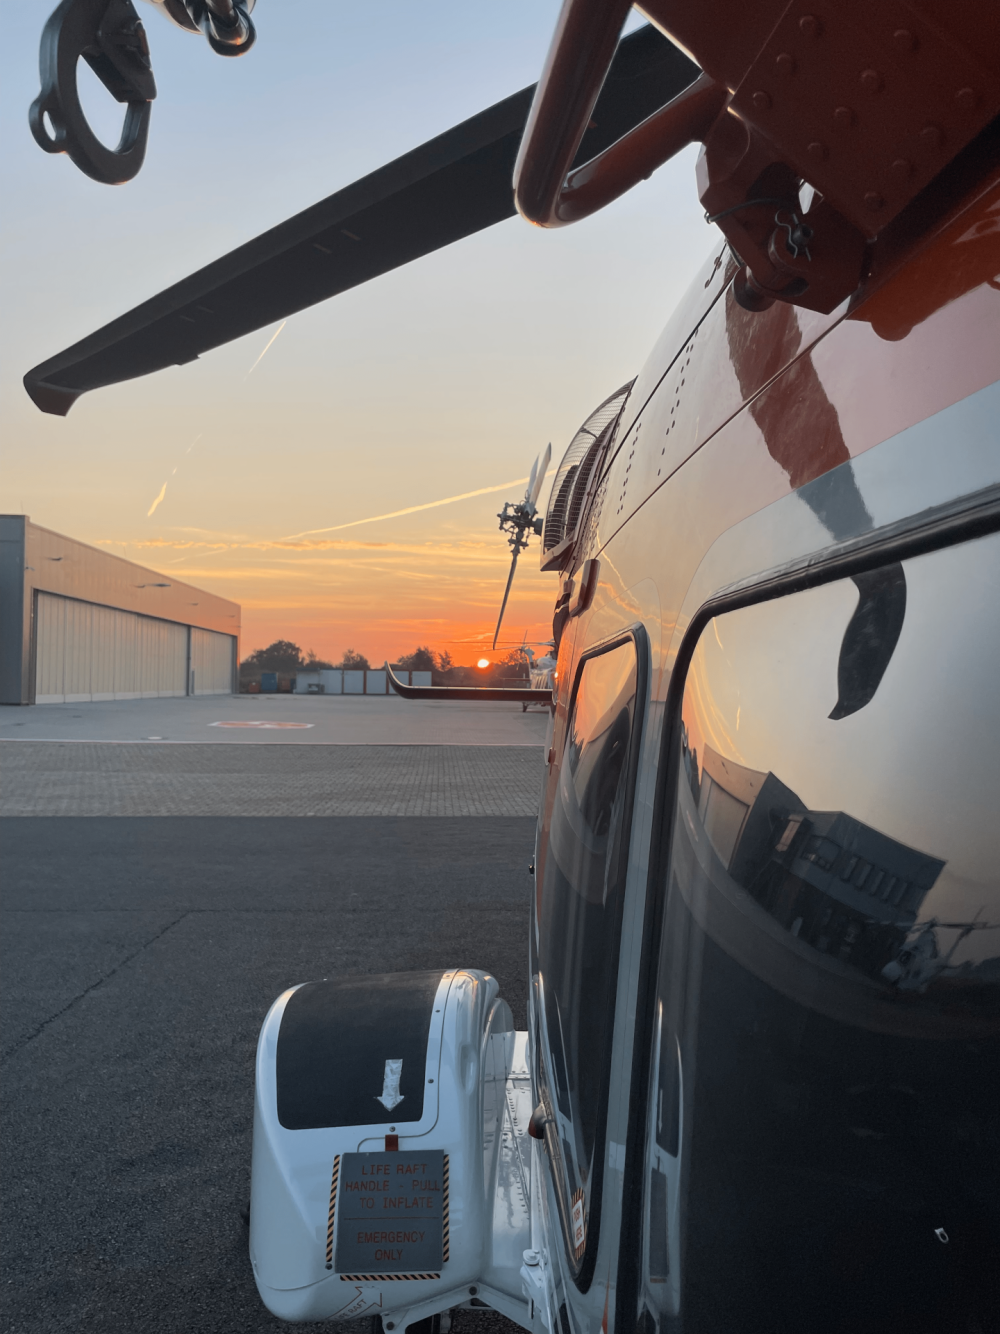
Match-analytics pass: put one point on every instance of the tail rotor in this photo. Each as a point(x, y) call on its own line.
point(519, 520)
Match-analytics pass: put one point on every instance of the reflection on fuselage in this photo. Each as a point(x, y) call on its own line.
point(831, 880)
point(579, 915)
point(826, 1074)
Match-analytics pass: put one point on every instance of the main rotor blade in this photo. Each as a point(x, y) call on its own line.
point(535, 485)
point(448, 188)
point(506, 595)
point(515, 694)
point(531, 479)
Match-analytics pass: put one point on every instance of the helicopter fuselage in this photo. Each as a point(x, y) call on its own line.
point(772, 749)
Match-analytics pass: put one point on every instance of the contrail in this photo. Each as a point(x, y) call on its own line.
point(261, 357)
point(163, 488)
point(412, 509)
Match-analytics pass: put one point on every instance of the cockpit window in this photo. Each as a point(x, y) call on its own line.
point(823, 1149)
point(578, 924)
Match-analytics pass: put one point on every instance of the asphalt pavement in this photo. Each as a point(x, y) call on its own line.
point(91, 778)
point(304, 720)
point(139, 958)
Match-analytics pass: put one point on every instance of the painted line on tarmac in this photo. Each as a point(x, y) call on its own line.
point(263, 725)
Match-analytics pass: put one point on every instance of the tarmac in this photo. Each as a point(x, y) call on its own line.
point(342, 720)
point(141, 951)
point(266, 781)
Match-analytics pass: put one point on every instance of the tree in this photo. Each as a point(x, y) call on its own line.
point(316, 664)
point(354, 662)
point(281, 656)
point(445, 663)
point(515, 663)
point(420, 660)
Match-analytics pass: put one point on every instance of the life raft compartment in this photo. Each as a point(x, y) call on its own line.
point(376, 1118)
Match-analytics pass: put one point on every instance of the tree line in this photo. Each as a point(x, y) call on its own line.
point(287, 659)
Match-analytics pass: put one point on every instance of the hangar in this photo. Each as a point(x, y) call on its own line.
point(80, 624)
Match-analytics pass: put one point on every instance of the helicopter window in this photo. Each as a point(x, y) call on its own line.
point(578, 924)
point(826, 1031)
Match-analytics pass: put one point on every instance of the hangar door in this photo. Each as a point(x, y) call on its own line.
point(87, 652)
point(212, 662)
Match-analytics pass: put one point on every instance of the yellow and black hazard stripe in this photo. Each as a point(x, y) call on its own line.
point(382, 1278)
point(578, 1200)
point(333, 1206)
point(444, 1212)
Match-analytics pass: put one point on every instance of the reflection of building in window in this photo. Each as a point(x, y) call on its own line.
point(727, 792)
point(787, 834)
point(837, 884)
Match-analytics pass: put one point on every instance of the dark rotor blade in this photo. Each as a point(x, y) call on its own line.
point(448, 188)
point(514, 694)
point(506, 595)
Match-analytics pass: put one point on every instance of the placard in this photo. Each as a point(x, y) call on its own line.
point(390, 1212)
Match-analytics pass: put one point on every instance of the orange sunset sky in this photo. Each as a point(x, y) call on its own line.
point(240, 472)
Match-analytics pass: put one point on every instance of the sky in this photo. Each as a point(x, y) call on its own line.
point(241, 472)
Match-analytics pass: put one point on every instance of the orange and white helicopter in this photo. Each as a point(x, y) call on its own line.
point(760, 1088)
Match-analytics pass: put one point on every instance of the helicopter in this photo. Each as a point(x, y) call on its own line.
point(753, 1093)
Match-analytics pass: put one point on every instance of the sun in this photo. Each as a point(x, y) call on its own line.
point(483, 662)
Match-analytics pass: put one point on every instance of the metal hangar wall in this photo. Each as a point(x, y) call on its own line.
point(79, 624)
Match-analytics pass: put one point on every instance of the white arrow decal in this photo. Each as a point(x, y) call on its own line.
point(391, 1096)
point(362, 1301)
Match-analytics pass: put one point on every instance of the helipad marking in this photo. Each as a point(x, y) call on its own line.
point(261, 724)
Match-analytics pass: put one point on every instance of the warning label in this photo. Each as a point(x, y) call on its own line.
point(391, 1213)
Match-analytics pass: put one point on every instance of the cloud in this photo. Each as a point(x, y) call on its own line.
point(415, 509)
point(462, 549)
point(163, 492)
point(261, 357)
point(296, 542)
point(208, 532)
point(163, 488)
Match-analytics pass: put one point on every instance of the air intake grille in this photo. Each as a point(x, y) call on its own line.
point(569, 490)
